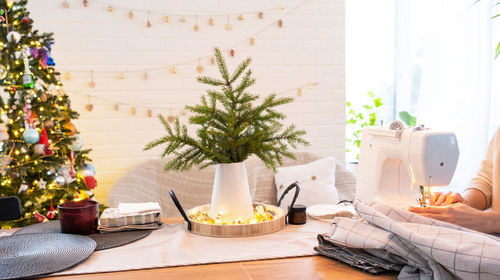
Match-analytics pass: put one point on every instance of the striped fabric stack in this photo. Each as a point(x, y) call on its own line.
point(131, 216)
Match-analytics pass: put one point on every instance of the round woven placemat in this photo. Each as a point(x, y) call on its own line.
point(103, 240)
point(28, 255)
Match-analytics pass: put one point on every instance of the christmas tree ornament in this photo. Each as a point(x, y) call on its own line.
point(42, 185)
point(48, 124)
point(39, 218)
point(165, 19)
point(43, 97)
point(23, 187)
point(280, 23)
point(67, 76)
point(51, 214)
point(252, 41)
point(39, 150)
point(44, 140)
point(130, 15)
point(9, 3)
point(59, 181)
point(76, 144)
point(14, 37)
point(28, 80)
point(89, 179)
point(228, 24)
point(241, 17)
point(85, 4)
point(110, 9)
point(133, 110)
point(26, 20)
point(261, 15)
point(31, 136)
point(174, 70)
point(65, 4)
point(71, 127)
point(299, 92)
point(3, 72)
point(231, 52)
point(150, 113)
point(211, 21)
point(18, 54)
point(4, 135)
point(91, 168)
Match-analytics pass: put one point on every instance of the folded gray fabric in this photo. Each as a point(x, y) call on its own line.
point(358, 258)
point(426, 248)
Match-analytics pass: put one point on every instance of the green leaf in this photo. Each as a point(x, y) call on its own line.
point(377, 102)
point(497, 51)
point(348, 104)
point(408, 119)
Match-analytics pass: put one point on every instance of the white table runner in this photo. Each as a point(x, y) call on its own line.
point(174, 246)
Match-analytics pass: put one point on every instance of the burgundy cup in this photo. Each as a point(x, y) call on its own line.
point(79, 217)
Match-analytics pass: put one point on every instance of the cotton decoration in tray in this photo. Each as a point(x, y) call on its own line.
point(316, 181)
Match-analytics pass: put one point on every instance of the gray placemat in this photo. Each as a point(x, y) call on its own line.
point(28, 255)
point(103, 240)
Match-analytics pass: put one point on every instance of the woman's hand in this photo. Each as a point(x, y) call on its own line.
point(462, 215)
point(441, 199)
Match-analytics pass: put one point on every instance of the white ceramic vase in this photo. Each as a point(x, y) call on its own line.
point(231, 198)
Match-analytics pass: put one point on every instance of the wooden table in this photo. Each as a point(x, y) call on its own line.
point(302, 268)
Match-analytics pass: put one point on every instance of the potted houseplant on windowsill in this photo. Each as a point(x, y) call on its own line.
point(356, 120)
point(231, 126)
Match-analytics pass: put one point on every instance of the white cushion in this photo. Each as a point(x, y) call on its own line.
point(316, 181)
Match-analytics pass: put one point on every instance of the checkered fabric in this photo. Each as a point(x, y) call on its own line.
point(425, 248)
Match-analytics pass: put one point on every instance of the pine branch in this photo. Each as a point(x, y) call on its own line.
point(230, 127)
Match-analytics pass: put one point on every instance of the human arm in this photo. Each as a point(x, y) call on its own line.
point(463, 215)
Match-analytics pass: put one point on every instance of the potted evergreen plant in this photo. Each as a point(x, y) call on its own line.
point(231, 126)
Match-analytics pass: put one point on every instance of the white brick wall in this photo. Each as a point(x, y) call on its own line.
point(310, 48)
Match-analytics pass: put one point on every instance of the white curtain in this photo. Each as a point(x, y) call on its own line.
point(459, 91)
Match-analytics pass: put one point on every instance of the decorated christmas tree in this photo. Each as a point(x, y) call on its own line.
point(41, 157)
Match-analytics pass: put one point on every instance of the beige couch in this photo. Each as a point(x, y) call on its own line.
point(149, 182)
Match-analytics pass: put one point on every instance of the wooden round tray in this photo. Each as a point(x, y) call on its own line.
point(244, 230)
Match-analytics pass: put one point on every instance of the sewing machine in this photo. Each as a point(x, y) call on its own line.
point(399, 166)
